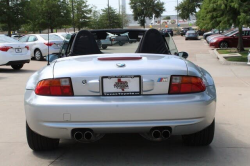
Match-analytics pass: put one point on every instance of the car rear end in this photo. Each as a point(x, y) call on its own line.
point(53, 43)
point(13, 52)
point(115, 95)
point(191, 35)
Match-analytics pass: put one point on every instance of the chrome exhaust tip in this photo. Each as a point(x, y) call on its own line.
point(156, 134)
point(88, 135)
point(165, 134)
point(78, 135)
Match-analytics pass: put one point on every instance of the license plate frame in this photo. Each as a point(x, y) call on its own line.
point(125, 93)
point(18, 50)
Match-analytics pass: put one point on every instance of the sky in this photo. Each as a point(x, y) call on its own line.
point(169, 5)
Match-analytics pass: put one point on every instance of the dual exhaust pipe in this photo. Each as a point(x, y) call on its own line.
point(87, 135)
point(160, 134)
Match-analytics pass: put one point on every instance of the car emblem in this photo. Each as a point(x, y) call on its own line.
point(120, 64)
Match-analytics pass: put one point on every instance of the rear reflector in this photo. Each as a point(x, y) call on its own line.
point(55, 87)
point(5, 48)
point(48, 44)
point(118, 58)
point(186, 84)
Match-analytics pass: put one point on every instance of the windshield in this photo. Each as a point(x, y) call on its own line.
point(6, 39)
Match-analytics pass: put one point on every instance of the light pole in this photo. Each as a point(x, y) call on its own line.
point(177, 22)
point(108, 14)
point(72, 3)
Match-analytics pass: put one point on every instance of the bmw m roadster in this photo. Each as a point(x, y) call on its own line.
point(155, 92)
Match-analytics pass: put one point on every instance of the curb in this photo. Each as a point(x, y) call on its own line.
point(223, 61)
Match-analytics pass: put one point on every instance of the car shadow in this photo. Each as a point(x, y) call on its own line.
point(10, 70)
point(124, 149)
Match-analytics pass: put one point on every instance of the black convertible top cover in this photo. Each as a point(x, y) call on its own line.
point(153, 42)
point(84, 44)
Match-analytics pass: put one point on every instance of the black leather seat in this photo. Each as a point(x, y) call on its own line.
point(153, 42)
point(84, 44)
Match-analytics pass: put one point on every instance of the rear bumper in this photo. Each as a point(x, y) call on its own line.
point(193, 38)
point(55, 117)
point(18, 62)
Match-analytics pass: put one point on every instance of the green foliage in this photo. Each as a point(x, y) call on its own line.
point(222, 14)
point(12, 14)
point(167, 18)
point(187, 7)
point(82, 13)
point(143, 9)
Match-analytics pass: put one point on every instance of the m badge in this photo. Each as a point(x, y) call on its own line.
point(162, 79)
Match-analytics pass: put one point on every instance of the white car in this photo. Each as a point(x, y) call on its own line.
point(13, 52)
point(155, 92)
point(63, 35)
point(38, 44)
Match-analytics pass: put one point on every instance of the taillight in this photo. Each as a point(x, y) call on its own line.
point(5, 48)
point(27, 47)
point(49, 44)
point(186, 84)
point(55, 87)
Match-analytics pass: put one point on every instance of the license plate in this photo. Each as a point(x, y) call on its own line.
point(18, 50)
point(121, 85)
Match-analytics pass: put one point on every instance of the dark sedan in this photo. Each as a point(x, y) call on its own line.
point(167, 30)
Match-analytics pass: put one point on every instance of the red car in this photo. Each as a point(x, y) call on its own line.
point(231, 41)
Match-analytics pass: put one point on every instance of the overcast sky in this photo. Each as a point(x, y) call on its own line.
point(169, 5)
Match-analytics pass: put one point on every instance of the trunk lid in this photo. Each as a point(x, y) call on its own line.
point(86, 71)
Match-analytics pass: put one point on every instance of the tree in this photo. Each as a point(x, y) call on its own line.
point(188, 7)
point(167, 18)
point(54, 14)
point(225, 13)
point(143, 9)
point(12, 14)
point(110, 19)
point(95, 16)
point(82, 13)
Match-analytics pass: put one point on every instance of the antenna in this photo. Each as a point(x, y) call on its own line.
point(48, 35)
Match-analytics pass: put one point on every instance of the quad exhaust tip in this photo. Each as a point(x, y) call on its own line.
point(156, 134)
point(88, 135)
point(78, 135)
point(165, 134)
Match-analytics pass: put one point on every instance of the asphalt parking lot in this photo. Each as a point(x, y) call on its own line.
point(231, 145)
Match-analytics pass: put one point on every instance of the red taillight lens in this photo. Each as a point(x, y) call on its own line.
point(5, 48)
point(48, 44)
point(55, 87)
point(186, 84)
point(27, 47)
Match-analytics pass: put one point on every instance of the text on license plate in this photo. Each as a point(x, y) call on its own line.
point(121, 85)
point(18, 50)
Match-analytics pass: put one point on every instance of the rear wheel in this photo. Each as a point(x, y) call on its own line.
point(201, 138)
point(223, 45)
point(38, 55)
point(37, 142)
point(120, 43)
point(104, 47)
point(17, 67)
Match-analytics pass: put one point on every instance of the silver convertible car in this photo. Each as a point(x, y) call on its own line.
point(155, 92)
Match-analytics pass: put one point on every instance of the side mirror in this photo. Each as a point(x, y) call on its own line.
point(183, 55)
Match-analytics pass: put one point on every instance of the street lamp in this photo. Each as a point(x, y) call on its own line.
point(72, 3)
point(108, 14)
point(177, 22)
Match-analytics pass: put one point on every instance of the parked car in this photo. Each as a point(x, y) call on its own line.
point(231, 40)
point(109, 41)
point(184, 30)
point(201, 32)
point(13, 52)
point(63, 35)
point(38, 44)
point(84, 97)
point(212, 32)
point(191, 34)
point(16, 37)
point(226, 33)
point(167, 30)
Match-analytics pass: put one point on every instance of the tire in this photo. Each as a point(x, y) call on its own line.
point(104, 47)
point(120, 43)
point(17, 67)
point(223, 44)
point(201, 138)
point(38, 55)
point(38, 143)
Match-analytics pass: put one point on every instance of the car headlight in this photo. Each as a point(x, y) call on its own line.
point(213, 41)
